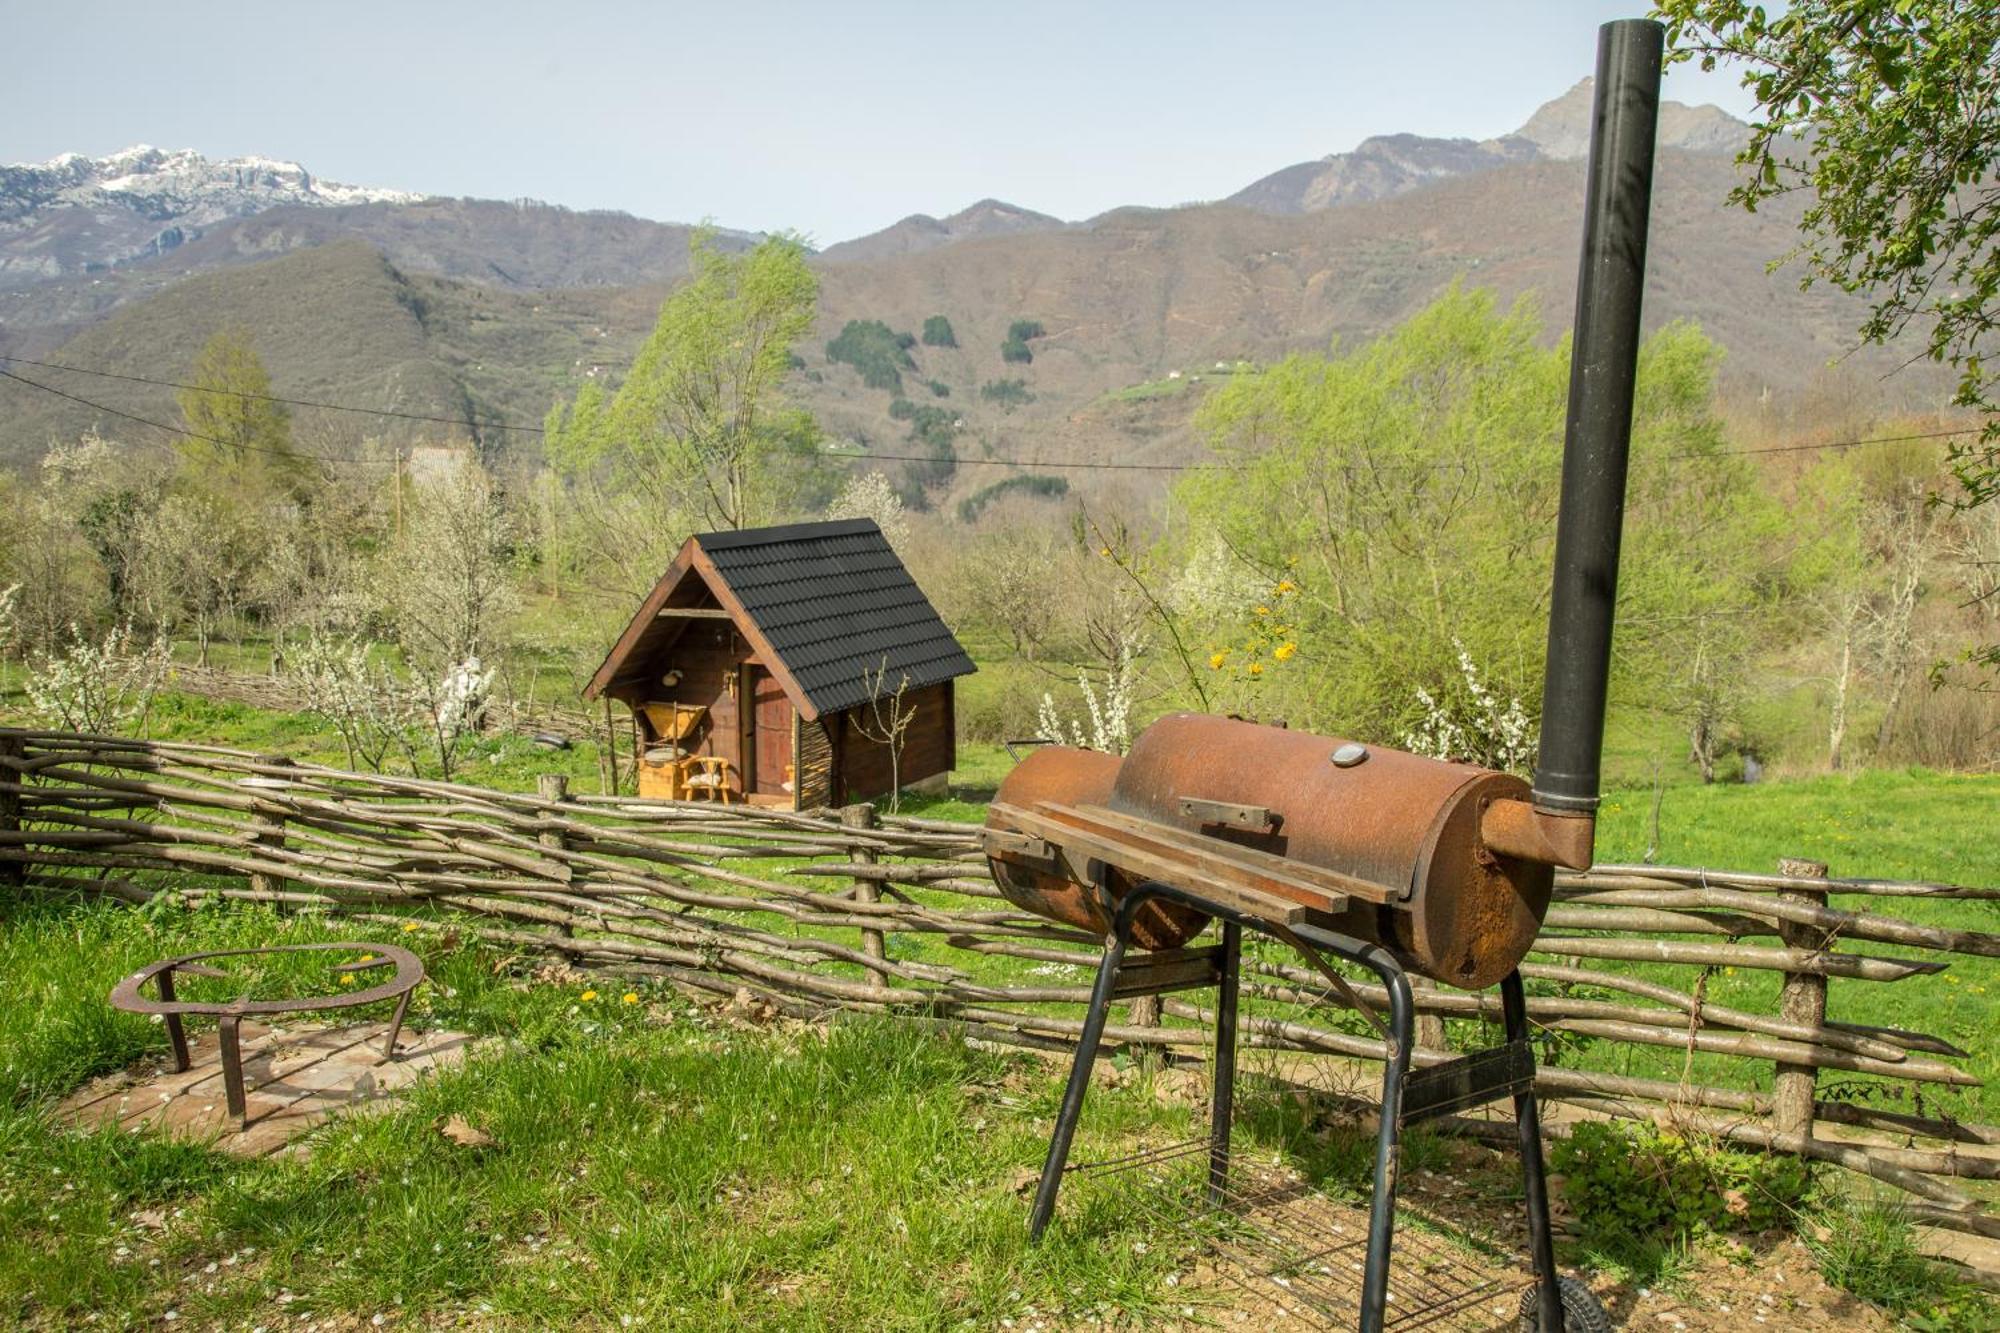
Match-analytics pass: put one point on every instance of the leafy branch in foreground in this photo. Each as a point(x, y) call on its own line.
point(1888, 113)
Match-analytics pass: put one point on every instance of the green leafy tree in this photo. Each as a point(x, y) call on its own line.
point(1014, 348)
point(879, 352)
point(241, 438)
point(700, 430)
point(1886, 112)
point(1009, 394)
point(1381, 510)
point(938, 332)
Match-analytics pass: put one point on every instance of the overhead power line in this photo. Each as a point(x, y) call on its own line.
point(277, 398)
point(1049, 464)
point(166, 426)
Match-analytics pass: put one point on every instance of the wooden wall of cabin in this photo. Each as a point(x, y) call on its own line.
point(930, 747)
point(814, 763)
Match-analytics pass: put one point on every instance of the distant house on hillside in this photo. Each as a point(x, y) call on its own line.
point(751, 666)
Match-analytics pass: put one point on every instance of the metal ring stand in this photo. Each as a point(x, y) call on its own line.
point(229, 1014)
point(1407, 1098)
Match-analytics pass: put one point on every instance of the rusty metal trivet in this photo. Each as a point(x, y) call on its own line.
point(229, 1014)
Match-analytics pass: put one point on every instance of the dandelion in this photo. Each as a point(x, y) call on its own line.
point(347, 979)
point(630, 997)
point(1215, 660)
point(1286, 587)
point(1284, 652)
point(1256, 668)
point(1263, 610)
point(588, 996)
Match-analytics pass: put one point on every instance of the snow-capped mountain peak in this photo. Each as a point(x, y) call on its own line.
point(99, 212)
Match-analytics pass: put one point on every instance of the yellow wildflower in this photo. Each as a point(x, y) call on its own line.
point(1284, 651)
point(409, 926)
point(1104, 551)
point(1215, 660)
point(347, 978)
point(588, 996)
point(1286, 586)
point(1263, 610)
point(1256, 668)
point(630, 997)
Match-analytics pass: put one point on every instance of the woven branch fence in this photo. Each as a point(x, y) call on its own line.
point(847, 909)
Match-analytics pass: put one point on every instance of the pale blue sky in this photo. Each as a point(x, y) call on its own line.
point(834, 119)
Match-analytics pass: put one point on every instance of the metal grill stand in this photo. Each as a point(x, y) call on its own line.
point(1407, 1097)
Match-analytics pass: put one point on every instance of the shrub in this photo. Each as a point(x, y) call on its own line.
point(1038, 485)
point(1014, 350)
point(101, 687)
point(938, 333)
point(938, 388)
point(879, 352)
point(934, 430)
point(1009, 394)
point(902, 409)
point(1631, 1183)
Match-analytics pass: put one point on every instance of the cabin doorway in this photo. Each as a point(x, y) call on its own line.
point(769, 751)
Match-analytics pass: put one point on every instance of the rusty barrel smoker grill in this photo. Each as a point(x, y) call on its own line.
point(1390, 861)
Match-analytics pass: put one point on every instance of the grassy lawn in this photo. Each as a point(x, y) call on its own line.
point(669, 1164)
point(650, 1161)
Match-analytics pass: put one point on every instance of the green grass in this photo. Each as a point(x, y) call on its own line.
point(647, 1162)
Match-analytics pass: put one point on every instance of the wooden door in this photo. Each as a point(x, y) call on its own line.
point(771, 740)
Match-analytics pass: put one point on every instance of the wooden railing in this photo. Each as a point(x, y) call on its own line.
point(853, 910)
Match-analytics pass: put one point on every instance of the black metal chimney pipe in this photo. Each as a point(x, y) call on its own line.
point(1604, 363)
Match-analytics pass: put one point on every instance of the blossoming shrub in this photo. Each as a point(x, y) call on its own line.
point(98, 686)
point(1110, 715)
point(1470, 724)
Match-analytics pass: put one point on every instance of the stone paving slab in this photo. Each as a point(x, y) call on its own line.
point(293, 1077)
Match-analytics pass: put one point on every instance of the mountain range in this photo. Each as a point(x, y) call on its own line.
point(480, 310)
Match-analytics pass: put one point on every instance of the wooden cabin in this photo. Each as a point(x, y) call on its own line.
point(749, 669)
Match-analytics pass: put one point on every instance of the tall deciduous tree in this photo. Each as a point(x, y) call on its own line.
point(1888, 111)
point(241, 437)
point(1398, 501)
point(700, 427)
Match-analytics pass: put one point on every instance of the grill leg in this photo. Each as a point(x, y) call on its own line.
point(1222, 1095)
point(1079, 1083)
point(1382, 1209)
point(1534, 1183)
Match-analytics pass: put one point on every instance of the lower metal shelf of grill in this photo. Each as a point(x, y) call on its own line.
point(1291, 1257)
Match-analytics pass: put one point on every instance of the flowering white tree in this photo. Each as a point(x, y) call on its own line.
point(453, 706)
point(871, 496)
point(362, 699)
point(1110, 715)
point(447, 577)
point(1470, 724)
point(99, 686)
point(9, 619)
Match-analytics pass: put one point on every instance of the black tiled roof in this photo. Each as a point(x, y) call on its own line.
point(837, 606)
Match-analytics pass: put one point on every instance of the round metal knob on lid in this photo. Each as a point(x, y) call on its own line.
point(1350, 754)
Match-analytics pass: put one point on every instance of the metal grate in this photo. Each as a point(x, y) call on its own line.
point(1293, 1257)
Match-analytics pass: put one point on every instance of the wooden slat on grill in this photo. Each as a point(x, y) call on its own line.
point(1279, 875)
point(1216, 872)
